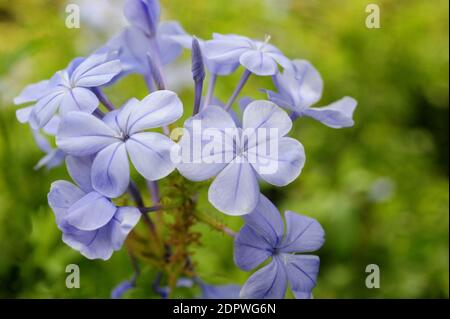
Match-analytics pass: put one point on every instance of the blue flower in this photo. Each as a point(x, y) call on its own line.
point(121, 134)
point(262, 237)
point(70, 89)
point(227, 52)
point(301, 87)
point(89, 221)
point(239, 156)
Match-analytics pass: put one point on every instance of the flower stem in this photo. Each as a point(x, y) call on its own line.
point(103, 99)
point(210, 92)
point(215, 224)
point(238, 89)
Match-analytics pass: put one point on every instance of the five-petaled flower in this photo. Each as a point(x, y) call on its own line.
point(239, 161)
point(71, 89)
point(263, 237)
point(302, 87)
point(121, 134)
point(89, 221)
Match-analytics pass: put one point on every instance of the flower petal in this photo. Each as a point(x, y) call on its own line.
point(278, 162)
point(269, 282)
point(258, 63)
point(204, 148)
point(302, 271)
point(170, 36)
point(266, 221)
point(23, 114)
point(157, 109)
point(250, 248)
point(338, 114)
point(110, 173)
point(303, 234)
point(235, 191)
point(78, 99)
point(311, 83)
point(96, 70)
point(123, 222)
point(62, 195)
point(143, 14)
point(150, 154)
point(264, 118)
point(94, 244)
point(45, 108)
point(90, 212)
point(32, 92)
point(226, 50)
point(79, 168)
point(82, 134)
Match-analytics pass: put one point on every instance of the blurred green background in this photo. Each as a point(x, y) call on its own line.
point(380, 189)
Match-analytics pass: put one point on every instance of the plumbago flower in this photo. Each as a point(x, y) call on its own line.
point(121, 134)
point(239, 156)
point(71, 89)
point(302, 87)
point(263, 237)
point(89, 221)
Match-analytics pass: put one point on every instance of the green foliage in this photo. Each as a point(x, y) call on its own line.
point(380, 189)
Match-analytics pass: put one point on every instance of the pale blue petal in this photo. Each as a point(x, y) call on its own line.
point(302, 271)
point(52, 126)
point(90, 212)
point(78, 99)
point(203, 156)
point(266, 221)
point(82, 134)
point(311, 83)
point(143, 14)
point(32, 92)
point(111, 171)
point(94, 244)
point(250, 248)
point(279, 58)
point(269, 282)
point(96, 70)
point(278, 162)
point(273, 121)
point(79, 169)
point(235, 191)
point(23, 114)
point(303, 234)
point(283, 101)
point(122, 223)
point(150, 154)
point(133, 46)
point(226, 52)
point(157, 109)
point(62, 195)
point(336, 115)
point(258, 63)
point(45, 108)
point(170, 36)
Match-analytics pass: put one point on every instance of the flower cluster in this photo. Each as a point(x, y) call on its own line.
point(235, 147)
